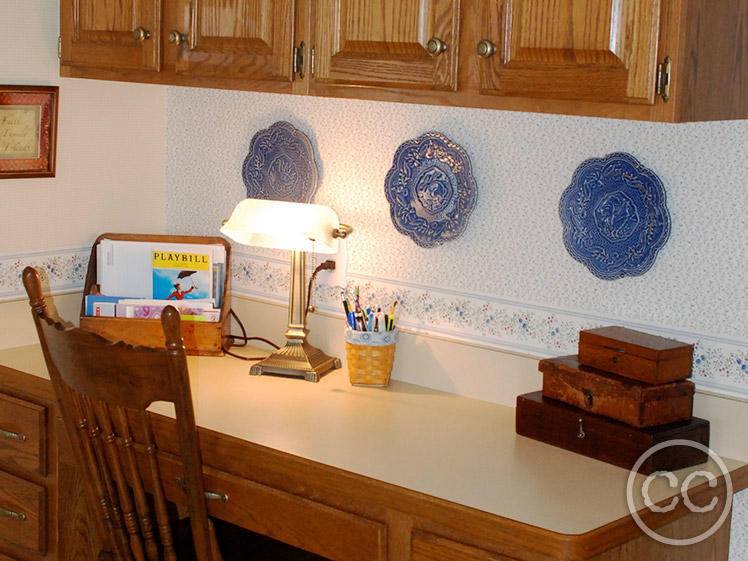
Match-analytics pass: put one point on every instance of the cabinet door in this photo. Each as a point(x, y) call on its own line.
point(102, 33)
point(592, 50)
point(387, 43)
point(245, 39)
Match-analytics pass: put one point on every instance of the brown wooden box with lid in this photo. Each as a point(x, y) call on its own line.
point(629, 401)
point(573, 429)
point(636, 355)
point(200, 337)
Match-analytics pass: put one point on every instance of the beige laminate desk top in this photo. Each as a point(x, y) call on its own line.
point(455, 448)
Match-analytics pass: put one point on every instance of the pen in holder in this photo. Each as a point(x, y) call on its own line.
point(370, 356)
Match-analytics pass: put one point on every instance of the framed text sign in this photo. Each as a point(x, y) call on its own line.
point(28, 131)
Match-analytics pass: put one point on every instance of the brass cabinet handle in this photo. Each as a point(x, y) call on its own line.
point(436, 46)
point(210, 495)
point(177, 38)
point(12, 435)
point(486, 48)
point(140, 34)
point(5, 513)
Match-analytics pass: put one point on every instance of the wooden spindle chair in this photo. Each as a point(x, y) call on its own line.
point(102, 388)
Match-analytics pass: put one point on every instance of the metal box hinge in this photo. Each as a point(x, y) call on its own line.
point(311, 61)
point(298, 60)
point(59, 47)
point(663, 79)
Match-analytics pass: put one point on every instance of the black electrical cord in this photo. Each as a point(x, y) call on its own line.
point(327, 265)
point(244, 339)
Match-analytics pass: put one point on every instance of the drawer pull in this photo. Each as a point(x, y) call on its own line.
point(589, 399)
point(210, 495)
point(12, 435)
point(581, 429)
point(5, 513)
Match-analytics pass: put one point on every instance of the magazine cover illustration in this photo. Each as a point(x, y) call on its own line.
point(182, 276)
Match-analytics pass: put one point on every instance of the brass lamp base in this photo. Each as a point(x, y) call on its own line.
point(296, 360)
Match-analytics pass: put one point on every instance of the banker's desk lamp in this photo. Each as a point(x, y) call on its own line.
point(299, 227)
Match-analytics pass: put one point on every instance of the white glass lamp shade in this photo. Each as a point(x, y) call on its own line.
point(283, 225)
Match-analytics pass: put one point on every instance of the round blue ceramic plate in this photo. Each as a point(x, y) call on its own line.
point(615, 216)
point(431, 189)
point(280, 165)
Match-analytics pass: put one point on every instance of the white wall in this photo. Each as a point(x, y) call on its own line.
point(110, 146)
point(513, 245)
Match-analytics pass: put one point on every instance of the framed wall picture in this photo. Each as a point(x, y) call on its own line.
point(28, 131)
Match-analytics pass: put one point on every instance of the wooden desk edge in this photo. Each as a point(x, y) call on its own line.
point(491, 531)
point(618, 532)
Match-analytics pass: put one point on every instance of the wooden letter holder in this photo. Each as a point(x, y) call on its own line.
point(200, 338)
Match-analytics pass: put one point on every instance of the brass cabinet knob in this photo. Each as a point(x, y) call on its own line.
point(486, 48)
point(177, 38)
point(140, 34)
point(436, 46)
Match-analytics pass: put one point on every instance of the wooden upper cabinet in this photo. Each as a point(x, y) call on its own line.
point(591, 50)
point(114, 34)
point(407, 44)
point(580, 57)
point(243, 39)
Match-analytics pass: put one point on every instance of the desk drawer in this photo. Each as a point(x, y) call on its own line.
point(428, 547)
point(326, 531)
point(22, 434)
point(332, 533)
point(22, 507)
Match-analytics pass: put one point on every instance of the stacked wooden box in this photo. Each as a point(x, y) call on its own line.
point(625, 392)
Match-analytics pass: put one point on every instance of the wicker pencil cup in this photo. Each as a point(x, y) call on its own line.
point(370, 356)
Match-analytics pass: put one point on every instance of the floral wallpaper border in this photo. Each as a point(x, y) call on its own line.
point(60, 271)
point(720, 364)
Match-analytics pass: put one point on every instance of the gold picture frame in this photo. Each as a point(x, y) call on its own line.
point(28, 131)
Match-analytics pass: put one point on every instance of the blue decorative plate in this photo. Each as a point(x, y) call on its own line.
point(430, 189)
point(615, 216)
point(280, 165)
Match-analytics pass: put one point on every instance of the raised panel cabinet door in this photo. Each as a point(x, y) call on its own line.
point(591, 50)
point(409, 44)
point(115, 34)
point(244, 39)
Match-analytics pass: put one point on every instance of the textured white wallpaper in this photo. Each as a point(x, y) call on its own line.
point(513, 247)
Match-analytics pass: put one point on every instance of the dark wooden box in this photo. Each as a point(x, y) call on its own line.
point(200, 338)
point(607, 440)
point(636, 355)
point(630, 401)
